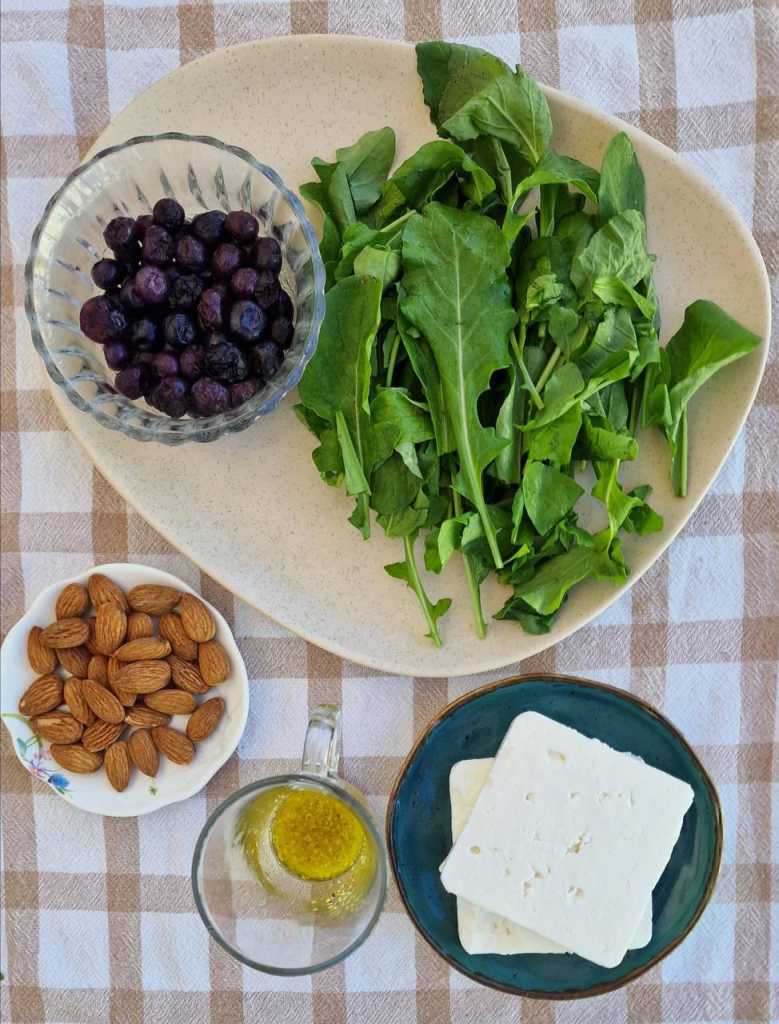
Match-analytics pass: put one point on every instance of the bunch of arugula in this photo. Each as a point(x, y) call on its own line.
point(480, 348)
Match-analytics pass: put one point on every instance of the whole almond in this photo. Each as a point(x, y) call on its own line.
point(126, 697)
point(145, 648)
point(65, 633)
point(76, 758)
point(186, 676)
point(153, 598)
point(73, 694)
point(110, 627)
point(105, 705)
point(143, 753)
point(42, 659)
point(72, 601)
point(57, 727)
point(103, 590)
point(202, 722)
point(171, 702)
point(41, 696)
point(139, 624)
point(173, 631)
point(113, 668)
point(145, 717)
point(143, 676)
point(213, 662)
point(196, 619)
point(97, 669)
point(173, 744)
point(100, 735)
point(74, 660)
point(117, 765)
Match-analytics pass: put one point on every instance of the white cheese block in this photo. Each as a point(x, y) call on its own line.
point(480, 930)
point(568, 838)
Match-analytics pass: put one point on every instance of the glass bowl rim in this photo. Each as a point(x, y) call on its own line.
point(279, 780)
point(162, 428)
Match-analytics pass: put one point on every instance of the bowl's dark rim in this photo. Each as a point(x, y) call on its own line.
point(547, 677)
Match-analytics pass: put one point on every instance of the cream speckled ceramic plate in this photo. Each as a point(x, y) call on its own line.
point(251, 509)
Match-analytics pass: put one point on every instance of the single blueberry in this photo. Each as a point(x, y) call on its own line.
point(120, 233)
point(247, 321)
point(209, 397)
point(267, 255)
point(143, 335)
point(117, 355)
point(209, 227)
point(142, 223)
point(108, 274)
point(226, 259)
point(129, 297)
point(267, 357)
point(157, 245)
point(191, 254)
point(132, 381)
point(243, 391)
point(165, 364)
point(186, 292)
point(243, 282)
point(151, 284)
point(178, 330)
point(282, 331)
point(169, 214)
point(103, 320)
point(192, 361)
point(242, 227)
point(268, 289)
point(226, 363)
point(284, 306)
point(211, 308)
point(170, 396)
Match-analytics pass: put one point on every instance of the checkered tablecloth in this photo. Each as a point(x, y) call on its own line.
point(98, 920)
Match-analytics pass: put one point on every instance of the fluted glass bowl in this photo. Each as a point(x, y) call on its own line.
point(202, 174)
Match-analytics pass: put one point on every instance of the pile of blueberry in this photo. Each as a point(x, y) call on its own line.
point(193, 318)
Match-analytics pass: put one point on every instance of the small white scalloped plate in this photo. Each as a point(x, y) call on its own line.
point(92, 792)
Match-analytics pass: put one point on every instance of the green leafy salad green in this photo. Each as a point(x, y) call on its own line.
point(491, 330)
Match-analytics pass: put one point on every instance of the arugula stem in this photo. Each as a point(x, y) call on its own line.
point(392, 359)
point(504, 172)
point(419, 590)
point(635, 405)
point(546, 373)
point(526, 378)
point(646, 387)
point(680, 459)
point(400, 220)
point(473, 585)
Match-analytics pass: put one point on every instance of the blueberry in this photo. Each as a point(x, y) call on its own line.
point(132, 381)
point(157, 246)
point(151, 284)
point(143, 335)
point(209, 397)
point(191, 254)
point(108, 274)
point(209, 227)
point(117, 355)
point(247, 321)
point(120, 234)
point(186, 292)
point(243, 282)
point(129, 297)
point(243, 391)
point(242, 227)
point(170, 396)
point(168, 214)
point(216, 338)
point(268, 289)
point(178, 330)
point(226, 259)
point(226, 363)
point(173, 274)
point(191, 362)
point(211, 308)
point(142, 223)
point(103, 320)
point(282, 331)
point(284, 306)
point(165, 364)
point(267, 255)
point(267, 357)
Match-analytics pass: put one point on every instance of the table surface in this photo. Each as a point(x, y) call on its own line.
point(98, 922)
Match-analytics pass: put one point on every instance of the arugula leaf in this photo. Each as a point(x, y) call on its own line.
point(614, 290)
point(337, 195)
point(366, 165)
point(452, 73)
point(507, 460)
point(613, 348)
point(381, 263)
point(607, 489)
point(618, 249)
point(549, 495)
point(621, 179)
point(408, 572)
point(531, 621)
point(556, 169)
point(554, 442)
point(547, 589)
point(599, 443)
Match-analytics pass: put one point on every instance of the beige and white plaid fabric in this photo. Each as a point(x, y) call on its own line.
point(99, 923)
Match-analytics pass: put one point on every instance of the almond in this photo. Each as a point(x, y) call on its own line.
point(143, 676)
point(42, 659)
point(73, 693)
point(186, 676)
point(76, 758)
point(145, 717)
point(110, 627)
point(117, 765)
point(145, 648)
point(171, 702)
point(74, 660)
point(113, 668)
point(143, 753)
point(102, 590)
point(105, 705)
point(125, 696)
point(203, 721)
point(139, 624)
point(57, 727)
point(100, 735)
point(213, 662)
point(72, 601)
point(173, 631)
point(89, 643)
point(196, 619)
point(65, 633)
point(173, 744)
point(43, 695)
point(153, 598)
point(97, 669)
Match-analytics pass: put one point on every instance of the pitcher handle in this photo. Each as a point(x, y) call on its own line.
point(322, 747)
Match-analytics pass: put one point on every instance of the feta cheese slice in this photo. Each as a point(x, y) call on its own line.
point(480, 930)
point(568, 837)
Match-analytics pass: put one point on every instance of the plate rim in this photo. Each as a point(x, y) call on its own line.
point(552, 677)
point(496, 662)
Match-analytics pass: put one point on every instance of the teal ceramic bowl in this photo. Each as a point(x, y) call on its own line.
point(419, 834)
